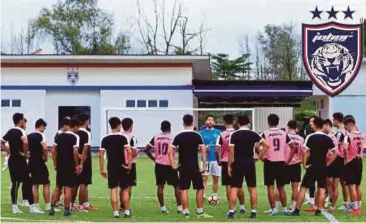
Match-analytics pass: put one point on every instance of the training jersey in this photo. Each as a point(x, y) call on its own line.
point(85, 139)
point(278, 141)
point(35, 141)
point(299, 141)
point(319, 144)
point(209, 138)
point(187, 143)
point(335, 142)
point(66, 142)
point(54, 138)
point(161, 143)
point(340, 133)
point(114, 144)
point(14, 138)
point(244, 141)
point(133, 143)
point(223, 143)
point(356, 145)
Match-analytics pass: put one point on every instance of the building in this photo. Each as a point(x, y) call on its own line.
point(350, 101)
point(147, 88)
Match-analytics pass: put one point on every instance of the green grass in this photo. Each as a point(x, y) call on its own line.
point(145, 205)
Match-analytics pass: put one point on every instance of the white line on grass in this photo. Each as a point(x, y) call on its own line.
point(329, 216)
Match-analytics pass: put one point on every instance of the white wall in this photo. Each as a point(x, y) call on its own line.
point(98, 76)
point(33, 104)
point(146, 123)
point(54, 99)
point(261, 114)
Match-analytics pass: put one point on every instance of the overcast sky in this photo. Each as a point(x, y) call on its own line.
point(228, 20)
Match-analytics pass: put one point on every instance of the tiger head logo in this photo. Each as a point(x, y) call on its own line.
point(332, 54)
point(332, 64)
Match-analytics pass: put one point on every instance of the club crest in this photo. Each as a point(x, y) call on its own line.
point(332, 54)
point(73, 76)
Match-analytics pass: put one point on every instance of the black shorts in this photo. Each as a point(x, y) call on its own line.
point(225, 178)
point(293, 173)
point(131, 178)
point(353, 172)
point(85, 177)
point(166, 174)
point(274, 171)
point(18, 169)
point(188, 175)
point(335, 169)
point(118, 177)
point(39, 173)
point(243, 170)
point(315, 174)
point(66, 178)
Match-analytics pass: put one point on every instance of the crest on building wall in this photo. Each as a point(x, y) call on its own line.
point(72, 75)
point(332, 52)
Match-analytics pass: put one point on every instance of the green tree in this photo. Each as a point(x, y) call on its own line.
point(79, 27)
point(224, 68)
point(281, 52)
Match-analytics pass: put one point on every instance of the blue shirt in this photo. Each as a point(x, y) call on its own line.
point(209, 138)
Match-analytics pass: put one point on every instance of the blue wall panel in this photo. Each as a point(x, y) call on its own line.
point(354, 105)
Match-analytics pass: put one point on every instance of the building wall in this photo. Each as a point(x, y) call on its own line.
point(146, 120)
point(33, 105)
point(98, 76)
point(261, 114)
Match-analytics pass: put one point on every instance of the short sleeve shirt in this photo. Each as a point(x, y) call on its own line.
point(35, 141)
point(114, 145)
point(244, 141)
point(14, 138)
point(187, 143)
point(66, 142)
point(318, 144)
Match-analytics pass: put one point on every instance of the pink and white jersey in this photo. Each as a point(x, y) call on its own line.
point(299, 142)
point(133, 142)
point(340, 134)
point(356, 145)
point(223, 142)
point(335, 142)
point(278, 141)
point(161, 143)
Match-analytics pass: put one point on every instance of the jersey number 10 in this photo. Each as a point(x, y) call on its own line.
point(163, 148)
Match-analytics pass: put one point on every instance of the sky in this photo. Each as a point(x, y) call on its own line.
point(228, 21)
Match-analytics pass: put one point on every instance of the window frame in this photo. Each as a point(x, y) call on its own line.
point(155, 105)
point(8, 103)
point(163, 101)
point(137, 103)
point(130, 101)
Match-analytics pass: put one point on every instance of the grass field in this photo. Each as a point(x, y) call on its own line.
point(145, 205)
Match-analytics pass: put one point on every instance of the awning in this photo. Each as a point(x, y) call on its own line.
point(251, 93)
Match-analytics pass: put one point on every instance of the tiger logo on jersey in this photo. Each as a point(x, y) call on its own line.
point(332, 53)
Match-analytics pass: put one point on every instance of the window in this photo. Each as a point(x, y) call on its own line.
point(321, 103)
point(141, 103)
point(163, 103)
point(152, 103)
point(71, 111)
point(130, 103)
point(5, 103)
point(15, 103)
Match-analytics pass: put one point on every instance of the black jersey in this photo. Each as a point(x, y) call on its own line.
point(187, 143)
point(15, 137)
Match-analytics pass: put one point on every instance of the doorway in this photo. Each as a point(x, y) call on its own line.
point(70, 111)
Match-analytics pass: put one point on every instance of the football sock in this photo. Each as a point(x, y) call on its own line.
point(116, 213)
point(242, 207)
point(127, 212)
point(232, 211)
point(199, 210)
point(86, 204)
point(186, 211)
point(254, 211)
point(355, 205)
point(179, 208)
point(163, 208)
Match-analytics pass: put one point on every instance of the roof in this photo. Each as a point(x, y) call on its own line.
point(251, 93)
point(200, 64)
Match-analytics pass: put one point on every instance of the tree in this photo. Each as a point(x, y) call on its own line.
point(224, 68)
point(22, 42)
point(168, 33)
point(280, 48)
point(79, 27)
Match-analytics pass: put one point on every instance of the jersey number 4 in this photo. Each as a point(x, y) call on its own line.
point(163, 148)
